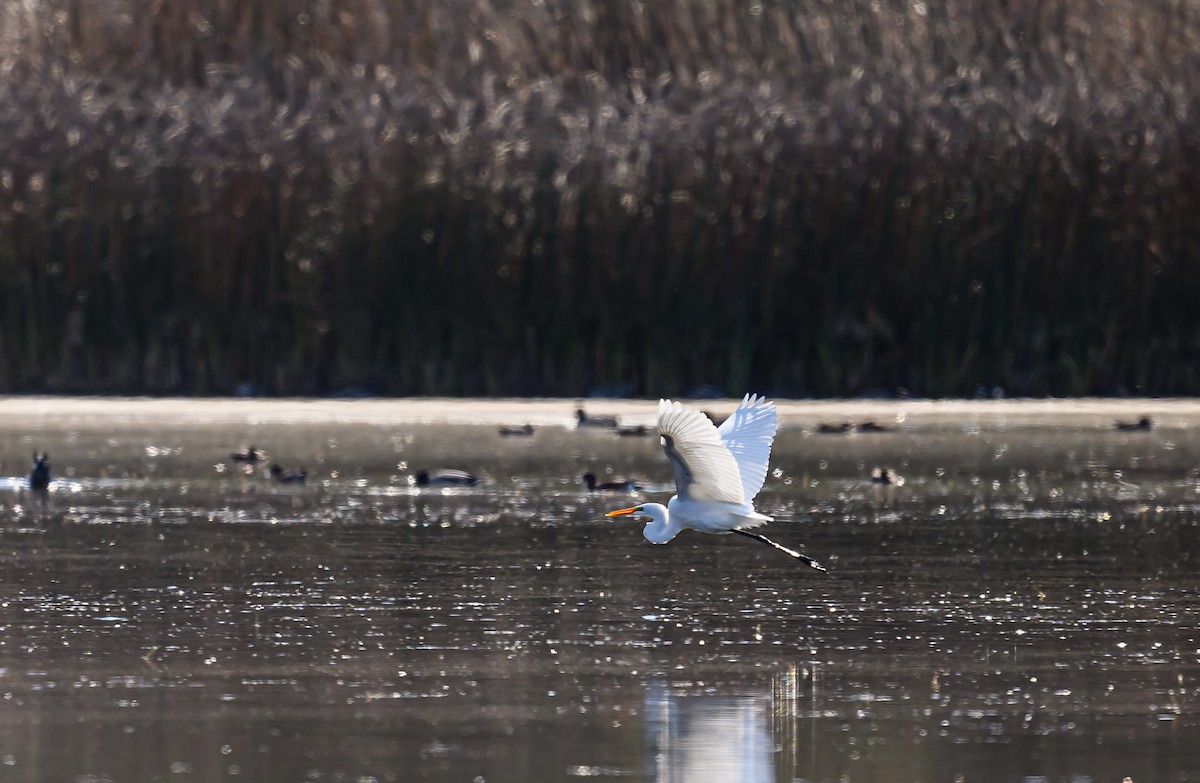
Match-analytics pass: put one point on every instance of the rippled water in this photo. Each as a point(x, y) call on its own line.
point(1024, 607)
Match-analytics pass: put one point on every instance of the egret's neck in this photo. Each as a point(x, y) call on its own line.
point(660, 529)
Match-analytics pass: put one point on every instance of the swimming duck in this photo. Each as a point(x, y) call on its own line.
point(282, 476)
point(508, 430)
point(617, 485)
point(582, 419)
point(881, 475)
point(833, 429)
point(445, 478)
point(872, 426)
point(1144, 424)
point(249, 455)
point(634, 431)
point(39, 475)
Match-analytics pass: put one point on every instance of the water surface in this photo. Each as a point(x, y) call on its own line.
point(1023, 607)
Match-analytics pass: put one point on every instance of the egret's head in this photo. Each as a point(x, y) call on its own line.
point(623, 511)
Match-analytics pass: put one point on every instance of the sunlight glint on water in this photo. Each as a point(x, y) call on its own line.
point(1024, 605)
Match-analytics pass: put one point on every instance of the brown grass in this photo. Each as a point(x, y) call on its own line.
point(445, 197)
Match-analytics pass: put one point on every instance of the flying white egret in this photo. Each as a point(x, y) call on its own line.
point(718, 471)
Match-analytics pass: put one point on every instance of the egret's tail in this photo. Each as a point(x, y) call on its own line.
point(752, 520)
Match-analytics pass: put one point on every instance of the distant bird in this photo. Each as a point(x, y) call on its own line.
point(446, 478)
point(833, 429)
point(249, 455)
point(514, 430)
point(618, 485)
point(39, 475)
point(717, 473)
point(634, 431)
point(582, 419)
point(1144, 424)
point(871, 426)
point(881, 475)
point(282, 476)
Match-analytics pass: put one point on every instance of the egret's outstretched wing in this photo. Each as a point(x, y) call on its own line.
point(703, 467)
point(748, 434)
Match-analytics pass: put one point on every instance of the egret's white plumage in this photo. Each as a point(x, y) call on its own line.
point(748, 434)
point(718, 472)
point(704, 466)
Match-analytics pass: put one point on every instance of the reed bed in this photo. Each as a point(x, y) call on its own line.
point(490, 197)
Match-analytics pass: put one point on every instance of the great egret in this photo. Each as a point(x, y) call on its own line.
point(282, 476)
point(619, 485)
point(445, 478)
point(39, 475)
point(718, 471)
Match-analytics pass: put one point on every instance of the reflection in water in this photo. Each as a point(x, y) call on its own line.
point(754, 737)
point(1023, 607)
point(703, 738)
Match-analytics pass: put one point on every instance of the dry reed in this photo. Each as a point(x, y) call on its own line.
point(502, 197)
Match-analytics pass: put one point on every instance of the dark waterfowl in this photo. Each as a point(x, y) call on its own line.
point(1144, 424)
point(514, 430)
point(282, 476)
point(617, 485)
point(833, 429)
point(39, 474)
point(881, 475)
point(633, 431)
point(873, 426)
point(249, 455)
point(582, 419)
point(446, 478)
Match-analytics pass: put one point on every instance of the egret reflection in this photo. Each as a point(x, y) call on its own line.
point(695, 738)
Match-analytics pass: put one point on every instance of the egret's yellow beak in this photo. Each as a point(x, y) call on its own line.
point(623, 511)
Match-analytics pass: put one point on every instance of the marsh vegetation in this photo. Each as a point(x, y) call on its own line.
point(496, 197)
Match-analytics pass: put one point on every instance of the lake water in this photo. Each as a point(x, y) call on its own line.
point(1025, 607)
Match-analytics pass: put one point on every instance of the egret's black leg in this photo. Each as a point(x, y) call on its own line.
point(803, 558)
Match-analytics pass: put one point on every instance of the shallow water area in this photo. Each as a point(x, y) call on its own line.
point(1023, 606)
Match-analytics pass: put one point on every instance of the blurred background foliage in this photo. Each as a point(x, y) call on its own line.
point(483, 197)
